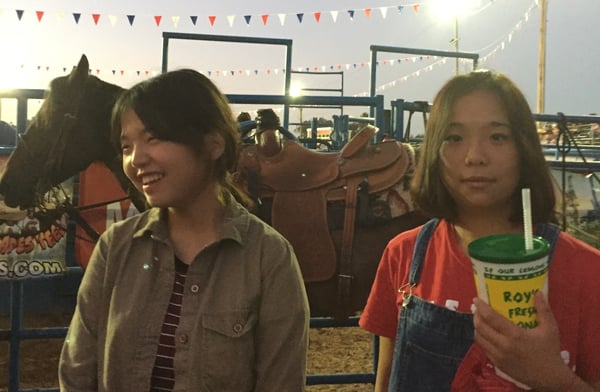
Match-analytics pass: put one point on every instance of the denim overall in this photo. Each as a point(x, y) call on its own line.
point(432, 340)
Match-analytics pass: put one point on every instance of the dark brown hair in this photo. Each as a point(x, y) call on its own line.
point(184, 106)
point(428, 190)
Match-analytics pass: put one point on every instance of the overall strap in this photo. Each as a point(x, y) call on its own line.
point(420, 249)
point(550, 233)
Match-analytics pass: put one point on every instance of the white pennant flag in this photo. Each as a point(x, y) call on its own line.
point(383, 11)
point(281, 18)
point(334, 15)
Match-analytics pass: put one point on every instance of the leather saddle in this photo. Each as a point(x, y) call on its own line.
point(301, 182)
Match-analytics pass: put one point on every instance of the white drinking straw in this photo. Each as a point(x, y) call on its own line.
point(525, 195)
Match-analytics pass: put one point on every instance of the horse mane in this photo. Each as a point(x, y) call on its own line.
point(100, 111)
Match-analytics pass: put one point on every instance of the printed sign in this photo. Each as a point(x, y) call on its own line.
point(33, 244)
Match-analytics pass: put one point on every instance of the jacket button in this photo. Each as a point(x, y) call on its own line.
point(194, 288)
point(237, 328)
point(183, 338)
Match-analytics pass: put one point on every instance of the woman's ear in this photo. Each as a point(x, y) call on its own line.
point(215, 145)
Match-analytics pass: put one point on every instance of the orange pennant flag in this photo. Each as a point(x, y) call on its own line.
point(212, 19)
point(368, 12)
point(265, 18)
point(317, 16)
point(40, 15)
point(416, 7)
point(157, 19)
point(96, 18)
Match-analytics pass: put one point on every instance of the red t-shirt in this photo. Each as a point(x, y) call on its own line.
point(447, 280)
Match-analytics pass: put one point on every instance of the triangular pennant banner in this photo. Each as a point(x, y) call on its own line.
point(351, 14)
point(317, 16)
point(112, 19)
point(96, 18)
point(281, 18)
point(367, 12)
point(194, 19)
point(230, 19)
point(400, 8)
point(247, 18)
point(157, 19)
point(130, 18)
point(211, 19)
point(300, 17)
point(20, 14)
point(265, 18)
point(60, 16)
point(76, 16)
point(40, 15)
point(175, 20)
point(416, 8)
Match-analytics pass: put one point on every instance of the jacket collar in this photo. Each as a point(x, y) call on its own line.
point(236, 222)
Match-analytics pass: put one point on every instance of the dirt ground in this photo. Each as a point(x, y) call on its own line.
point(331, 351)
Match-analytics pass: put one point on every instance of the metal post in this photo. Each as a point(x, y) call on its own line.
point(16, 317)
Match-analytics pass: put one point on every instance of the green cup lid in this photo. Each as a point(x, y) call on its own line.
point(507, 248)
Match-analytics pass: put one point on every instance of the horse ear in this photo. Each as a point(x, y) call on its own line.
point(81, 71)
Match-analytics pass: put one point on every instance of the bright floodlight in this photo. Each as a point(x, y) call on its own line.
point(295, 90)
point(448, 9)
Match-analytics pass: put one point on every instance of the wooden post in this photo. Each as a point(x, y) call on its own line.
point(541, 85)
point(456, 42)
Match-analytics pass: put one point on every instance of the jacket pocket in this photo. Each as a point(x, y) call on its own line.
point(228, 349)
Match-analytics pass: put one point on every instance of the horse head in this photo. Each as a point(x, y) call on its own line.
point(70, 131)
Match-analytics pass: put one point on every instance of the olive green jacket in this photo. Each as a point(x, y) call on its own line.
point(244, 321)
